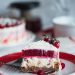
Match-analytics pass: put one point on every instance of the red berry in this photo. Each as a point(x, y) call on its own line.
point(56, 44)
point(46, 39)
point(62, 65)
point(41, 72)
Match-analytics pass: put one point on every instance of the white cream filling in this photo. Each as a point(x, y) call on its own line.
point(39, 62)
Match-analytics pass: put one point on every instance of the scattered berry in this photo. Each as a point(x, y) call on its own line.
point(40, 72)
point(62, 65)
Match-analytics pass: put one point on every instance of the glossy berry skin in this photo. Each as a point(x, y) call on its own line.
point(41, 72)
point(52, 41)
point(46, 39)
point(56, 44)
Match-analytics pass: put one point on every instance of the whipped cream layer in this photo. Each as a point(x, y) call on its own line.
point(41, 45)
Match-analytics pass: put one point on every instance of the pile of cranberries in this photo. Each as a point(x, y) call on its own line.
point(52, 41)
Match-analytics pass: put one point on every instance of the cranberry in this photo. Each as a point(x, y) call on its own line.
point(40, 72)
point(56, 44)
point(46, 39)
point(62, 65)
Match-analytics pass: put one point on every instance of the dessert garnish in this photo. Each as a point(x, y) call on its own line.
point(40, 72)
point(52, 41)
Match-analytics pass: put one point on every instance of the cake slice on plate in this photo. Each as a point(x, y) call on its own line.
point(41, 55)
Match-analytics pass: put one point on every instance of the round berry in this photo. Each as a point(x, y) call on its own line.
point(46, 39)
point(56, 44)
point(40, 72)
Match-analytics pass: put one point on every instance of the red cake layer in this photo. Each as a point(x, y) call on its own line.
point(39, 52)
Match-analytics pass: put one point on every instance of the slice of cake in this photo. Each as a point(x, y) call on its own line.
point(41, 55)
point(11, 30)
